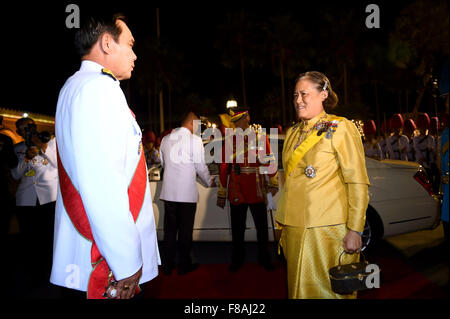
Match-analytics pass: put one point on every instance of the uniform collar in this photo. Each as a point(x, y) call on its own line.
point(88, 65)
point(307, 124)
point(184, 130)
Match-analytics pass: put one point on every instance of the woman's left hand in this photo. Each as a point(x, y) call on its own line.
point(352, 242)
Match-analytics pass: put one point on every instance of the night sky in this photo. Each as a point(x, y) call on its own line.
point(38, 54)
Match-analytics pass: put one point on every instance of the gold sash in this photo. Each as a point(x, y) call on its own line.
point(295, 159)
point(304, 147)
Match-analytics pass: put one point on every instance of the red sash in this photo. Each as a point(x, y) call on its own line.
point(75, 209)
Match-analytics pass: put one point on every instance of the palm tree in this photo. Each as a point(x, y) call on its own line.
point(419, 39)
point(160, 69)
point(238, 41)
point(339, 53)
point(284, 37)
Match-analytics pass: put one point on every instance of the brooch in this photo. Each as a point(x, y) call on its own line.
point(327, 127)
point(310, 171)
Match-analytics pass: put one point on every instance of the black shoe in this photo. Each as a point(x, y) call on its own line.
point(186, 270)
point(267, 265)
point(235, 267)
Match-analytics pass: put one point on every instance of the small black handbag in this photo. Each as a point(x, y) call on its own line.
point(346, 279)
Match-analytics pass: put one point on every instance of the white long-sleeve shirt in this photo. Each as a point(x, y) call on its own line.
point(99, 145)
point(425, 150)
point(38, 178)
point(183, 158)
point(373, 150)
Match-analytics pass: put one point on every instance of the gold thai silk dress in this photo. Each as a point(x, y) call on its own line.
point(324, 195)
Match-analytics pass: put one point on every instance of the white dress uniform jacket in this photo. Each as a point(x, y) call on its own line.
point(183, 158)
point(373, 150)
point(398, 147)
point(99, 146)
point(41, 182)
point(425, 150)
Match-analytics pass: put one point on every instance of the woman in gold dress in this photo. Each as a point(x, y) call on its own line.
point(323, 203)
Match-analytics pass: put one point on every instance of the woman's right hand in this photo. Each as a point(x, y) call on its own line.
point(352, 242)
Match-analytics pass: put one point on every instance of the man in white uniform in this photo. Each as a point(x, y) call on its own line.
point(397, 144)
point(424, 143)
point(105, 232)
point(35, 196)
point(183, 158)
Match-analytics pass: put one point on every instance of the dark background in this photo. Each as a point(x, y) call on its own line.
point(198, 63)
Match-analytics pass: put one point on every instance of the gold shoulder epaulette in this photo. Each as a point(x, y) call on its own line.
point(108, 72)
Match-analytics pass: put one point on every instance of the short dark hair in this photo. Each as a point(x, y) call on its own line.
point(186, 115)
point(93, 28)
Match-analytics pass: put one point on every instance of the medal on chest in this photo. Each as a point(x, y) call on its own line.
point(310, 171)
point(30, 173)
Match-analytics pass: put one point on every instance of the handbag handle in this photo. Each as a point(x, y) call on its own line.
point(343, 252)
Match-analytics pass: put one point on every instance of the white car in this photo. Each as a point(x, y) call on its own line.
point(401, 201)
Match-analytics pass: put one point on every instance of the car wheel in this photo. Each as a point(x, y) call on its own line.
point(373, 229)
point(366, 236)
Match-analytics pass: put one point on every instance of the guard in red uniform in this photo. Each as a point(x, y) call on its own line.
point(248, 171)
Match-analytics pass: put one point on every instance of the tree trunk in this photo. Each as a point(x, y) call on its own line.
point(426, 77)
point(169, 103)
point(161, 104)
point(289, 97)
point(161, 110)
point(377, 106)
point(345, 85)
point(419, 98)
point(244, 89)
point(407, 101)
point(155, 108)
point(150, 111)
point(283, 96)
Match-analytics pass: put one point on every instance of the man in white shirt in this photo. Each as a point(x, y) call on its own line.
point(36, 195)
point(105, 233)
point(182, 156)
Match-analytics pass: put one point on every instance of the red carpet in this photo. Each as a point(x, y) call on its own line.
point(214, 281)
point(400, 281)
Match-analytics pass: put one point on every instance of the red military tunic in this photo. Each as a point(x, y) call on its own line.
point(247, 183)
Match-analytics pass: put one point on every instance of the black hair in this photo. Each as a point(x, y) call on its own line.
point(22, 120)
point(93, 28)
point(186, 115)
point(322, 82)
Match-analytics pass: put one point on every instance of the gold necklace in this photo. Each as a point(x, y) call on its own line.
point(304, 134)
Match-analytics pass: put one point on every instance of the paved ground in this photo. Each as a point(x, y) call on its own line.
point(426, 253)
